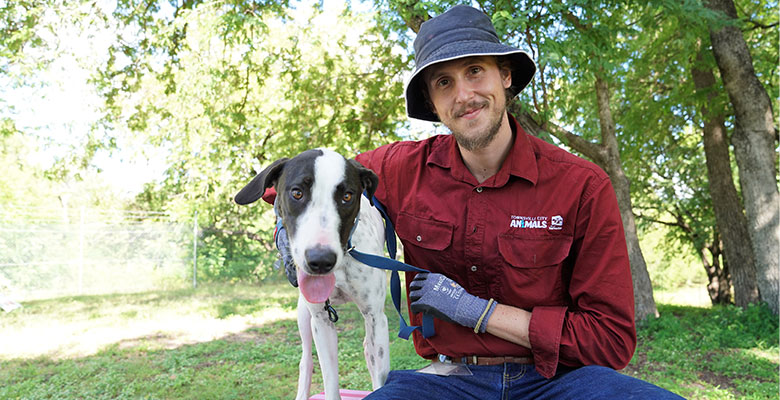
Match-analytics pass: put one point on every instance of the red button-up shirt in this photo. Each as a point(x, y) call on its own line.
point(544, 234)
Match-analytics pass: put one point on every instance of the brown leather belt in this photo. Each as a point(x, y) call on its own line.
point(479, 360)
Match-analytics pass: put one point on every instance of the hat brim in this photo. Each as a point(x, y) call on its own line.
point(523, 70)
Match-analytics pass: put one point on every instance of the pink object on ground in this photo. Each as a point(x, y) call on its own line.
point(345, 395)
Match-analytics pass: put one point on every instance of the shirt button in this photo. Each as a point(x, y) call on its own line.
point(479, 189)
point(473, 268)
point(419, 238)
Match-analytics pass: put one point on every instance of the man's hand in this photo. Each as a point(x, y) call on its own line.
point(443, 298)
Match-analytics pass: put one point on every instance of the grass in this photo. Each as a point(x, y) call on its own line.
point(710, 353)
point(225, 342)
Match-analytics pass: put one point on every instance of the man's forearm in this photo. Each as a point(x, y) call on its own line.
point(510, 323)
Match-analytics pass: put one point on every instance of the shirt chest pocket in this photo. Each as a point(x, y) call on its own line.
point(427, 242)
point(534, 252)
point(427, 234)
point(536, 268)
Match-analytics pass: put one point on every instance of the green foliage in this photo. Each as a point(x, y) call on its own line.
point(670, 263)
point(18, 22)
point(227, 90)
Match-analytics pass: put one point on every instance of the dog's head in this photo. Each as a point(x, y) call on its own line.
point(318, 198)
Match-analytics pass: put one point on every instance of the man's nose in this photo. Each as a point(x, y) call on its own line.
point(463, 92)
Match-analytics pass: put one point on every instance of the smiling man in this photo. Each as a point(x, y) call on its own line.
point(529, 275)
point(530, 282)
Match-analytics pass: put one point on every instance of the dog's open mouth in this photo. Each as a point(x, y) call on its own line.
point(315, 288)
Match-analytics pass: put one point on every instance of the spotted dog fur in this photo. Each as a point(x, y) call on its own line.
point(319, 194)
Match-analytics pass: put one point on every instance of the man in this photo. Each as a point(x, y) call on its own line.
point(529, 277)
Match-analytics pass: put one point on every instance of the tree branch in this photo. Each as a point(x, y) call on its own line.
point(577, 22)
point(758, 25)
point(528, 120)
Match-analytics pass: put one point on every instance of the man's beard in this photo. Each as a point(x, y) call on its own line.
point(484, 138)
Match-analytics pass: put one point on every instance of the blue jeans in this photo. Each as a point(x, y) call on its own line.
point(519, 381)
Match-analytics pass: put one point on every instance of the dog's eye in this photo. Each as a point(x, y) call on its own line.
point(297, 194)
point(347, 197)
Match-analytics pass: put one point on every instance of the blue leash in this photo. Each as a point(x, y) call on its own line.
point(391, 264)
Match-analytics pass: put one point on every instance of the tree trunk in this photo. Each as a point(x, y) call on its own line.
point(719, 286)
point(754, 149)
point(731, 221)
point(644, 303)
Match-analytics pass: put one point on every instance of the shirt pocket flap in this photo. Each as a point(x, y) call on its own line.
point(426, 233)
point(534, 252)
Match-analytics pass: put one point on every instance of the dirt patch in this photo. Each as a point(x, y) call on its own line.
point(159, 340)
point(247, 336)
point(718, 380)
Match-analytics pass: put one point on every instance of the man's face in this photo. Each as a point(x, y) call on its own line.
point(468, 96)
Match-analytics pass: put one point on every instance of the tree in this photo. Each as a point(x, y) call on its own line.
point(230, 87)
point(732, 223)
point(31, 46)
point(754, 140)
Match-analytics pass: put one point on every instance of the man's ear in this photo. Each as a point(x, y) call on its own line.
point(368, 179)
point(506, 77)
point(504, 64)
point(265, 179)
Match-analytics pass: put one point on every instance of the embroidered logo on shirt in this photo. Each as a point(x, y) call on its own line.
point(554, 223)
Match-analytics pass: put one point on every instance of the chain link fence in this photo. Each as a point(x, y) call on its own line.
point(54, 252)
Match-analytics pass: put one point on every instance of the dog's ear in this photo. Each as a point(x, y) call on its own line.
point(265, 179)
point(368, 179)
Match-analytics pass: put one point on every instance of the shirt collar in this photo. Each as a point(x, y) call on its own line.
point(521, 161)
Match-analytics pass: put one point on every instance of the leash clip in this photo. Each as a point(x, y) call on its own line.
point(333, 316)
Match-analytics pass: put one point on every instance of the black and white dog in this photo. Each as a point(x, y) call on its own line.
point(320, 201)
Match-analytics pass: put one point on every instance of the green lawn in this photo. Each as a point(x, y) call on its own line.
point(223, 342)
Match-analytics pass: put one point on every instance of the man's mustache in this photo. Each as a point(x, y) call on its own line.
point(472, 105)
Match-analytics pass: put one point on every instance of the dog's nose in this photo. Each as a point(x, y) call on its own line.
point(320, 259)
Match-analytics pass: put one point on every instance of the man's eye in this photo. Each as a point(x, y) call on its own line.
point(442, 82)
point(475, 70)
point(297, 194)
point(347, 197)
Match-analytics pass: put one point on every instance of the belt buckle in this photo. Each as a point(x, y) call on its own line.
point(445, 359)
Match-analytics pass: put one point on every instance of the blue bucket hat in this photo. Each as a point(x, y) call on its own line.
point(462, 31)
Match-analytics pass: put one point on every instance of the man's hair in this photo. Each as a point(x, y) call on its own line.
point(501, 62)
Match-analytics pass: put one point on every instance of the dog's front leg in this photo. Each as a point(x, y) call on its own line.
point(306, 366)
point(376, 347)
point(326, 341)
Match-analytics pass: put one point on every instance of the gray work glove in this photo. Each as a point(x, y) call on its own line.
point(443, 298)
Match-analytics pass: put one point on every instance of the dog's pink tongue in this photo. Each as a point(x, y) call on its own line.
point(316, 288)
